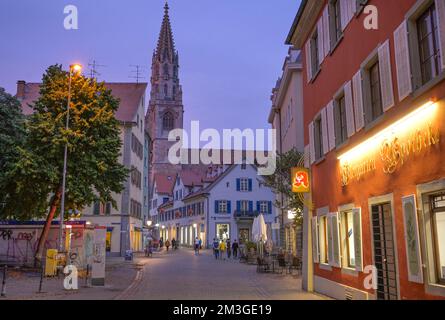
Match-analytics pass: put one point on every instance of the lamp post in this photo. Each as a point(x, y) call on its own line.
point(73, 68)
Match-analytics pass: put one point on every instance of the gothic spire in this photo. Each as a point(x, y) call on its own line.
point(166, 46)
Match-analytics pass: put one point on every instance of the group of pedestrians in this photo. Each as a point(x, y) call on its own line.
point(223, 248)
point(168, 244)
point(198, 246)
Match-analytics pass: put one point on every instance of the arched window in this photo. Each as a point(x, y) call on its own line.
point(165, 69)
point(165, 90)
point(174, 92)
point(167, 121)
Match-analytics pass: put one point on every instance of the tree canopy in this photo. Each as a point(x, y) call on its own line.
point(280, 183)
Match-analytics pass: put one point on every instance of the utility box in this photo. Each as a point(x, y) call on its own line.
point(51, 263)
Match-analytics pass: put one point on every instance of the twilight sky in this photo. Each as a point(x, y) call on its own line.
point(231, 51)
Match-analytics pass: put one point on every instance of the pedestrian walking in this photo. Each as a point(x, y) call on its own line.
point(235, 247)
point(222, 250)
point(196, 246)
point(200, 244)
point(173, 243)
point(229, 249)
point(161, 243)
point(167, 244)
point(216, 248)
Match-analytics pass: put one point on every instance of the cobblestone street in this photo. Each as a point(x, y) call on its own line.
point(182, 275)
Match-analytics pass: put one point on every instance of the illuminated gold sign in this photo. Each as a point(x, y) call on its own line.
point(393, 146)
point(300, 180)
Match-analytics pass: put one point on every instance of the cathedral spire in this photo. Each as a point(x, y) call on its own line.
point(165, 50)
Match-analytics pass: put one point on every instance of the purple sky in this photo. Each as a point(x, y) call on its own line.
point(231, 51)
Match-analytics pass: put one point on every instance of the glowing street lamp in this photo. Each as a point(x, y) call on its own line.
point(75, 68)
point(149, 223)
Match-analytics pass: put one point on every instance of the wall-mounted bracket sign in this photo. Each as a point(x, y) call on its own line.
point(392, 147)
point(300, 180)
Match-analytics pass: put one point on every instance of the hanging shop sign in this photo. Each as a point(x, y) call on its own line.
point(300, 180)
point(391, 148)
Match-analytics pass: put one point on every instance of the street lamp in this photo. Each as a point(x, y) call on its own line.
point(149, 223)
point(75, 68)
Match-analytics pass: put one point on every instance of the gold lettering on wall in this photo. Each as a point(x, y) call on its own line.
point(394, 152)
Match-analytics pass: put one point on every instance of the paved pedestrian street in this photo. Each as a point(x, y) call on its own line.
point(173, 275)
point(182, 275)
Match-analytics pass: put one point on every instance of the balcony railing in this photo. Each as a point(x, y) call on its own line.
point(246, 214)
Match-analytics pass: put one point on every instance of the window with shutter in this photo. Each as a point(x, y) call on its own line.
point(318, 138)
point(350, 120)
point(331, 125)
point(324, 129)
point(386, 76)
point(341, 132)
point(326, 32)
point(308, 53)
point(357, 88)
point(312, 142)
point(336, 24)
point(320, 40)
point(314, 53)
point(347, 238)
point(429, 44)
point(315, 245)
point(336, 253)
point(401, 47)
point(323, 239)
point(357, 226)
point(440, 7)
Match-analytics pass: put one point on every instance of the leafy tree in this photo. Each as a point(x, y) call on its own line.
point(94, 147)
point(12, 135)
point(280, 183)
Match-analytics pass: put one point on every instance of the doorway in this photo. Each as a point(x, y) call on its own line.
point(384, 252)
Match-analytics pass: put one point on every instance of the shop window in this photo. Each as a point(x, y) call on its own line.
point(347, 232)
point(341, 131)
point(223, 231)
point(323, 239)
point(438, 234)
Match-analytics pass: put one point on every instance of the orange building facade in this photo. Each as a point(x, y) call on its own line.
point(374, 117)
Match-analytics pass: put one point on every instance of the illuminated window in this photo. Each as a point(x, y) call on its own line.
point(438, 234)
point(323, 239)
point(347, 233)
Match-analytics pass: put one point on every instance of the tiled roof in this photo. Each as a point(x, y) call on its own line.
point(164, 183)
point(129, 94)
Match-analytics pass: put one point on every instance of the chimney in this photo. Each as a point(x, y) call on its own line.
point(21, 84)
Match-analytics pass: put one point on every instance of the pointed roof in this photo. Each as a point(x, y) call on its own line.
point(165, 41)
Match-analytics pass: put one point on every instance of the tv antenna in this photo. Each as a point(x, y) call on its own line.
point(137, 72)
point(93, 69)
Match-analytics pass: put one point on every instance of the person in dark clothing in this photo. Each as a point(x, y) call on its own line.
point(216, 248)
point(235, 247)
point(229, 249)
point(173, 243)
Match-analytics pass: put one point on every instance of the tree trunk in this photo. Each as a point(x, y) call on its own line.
point(44, 235)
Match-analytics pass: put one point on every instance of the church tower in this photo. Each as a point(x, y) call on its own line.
point(165, 110)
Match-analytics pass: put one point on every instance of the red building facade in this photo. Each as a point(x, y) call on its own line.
point(374, 111)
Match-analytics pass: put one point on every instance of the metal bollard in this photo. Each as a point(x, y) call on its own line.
point(5, 271)
point(41, 280)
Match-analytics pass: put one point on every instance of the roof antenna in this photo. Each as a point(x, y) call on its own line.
point(138, 72)
point(93, 69)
